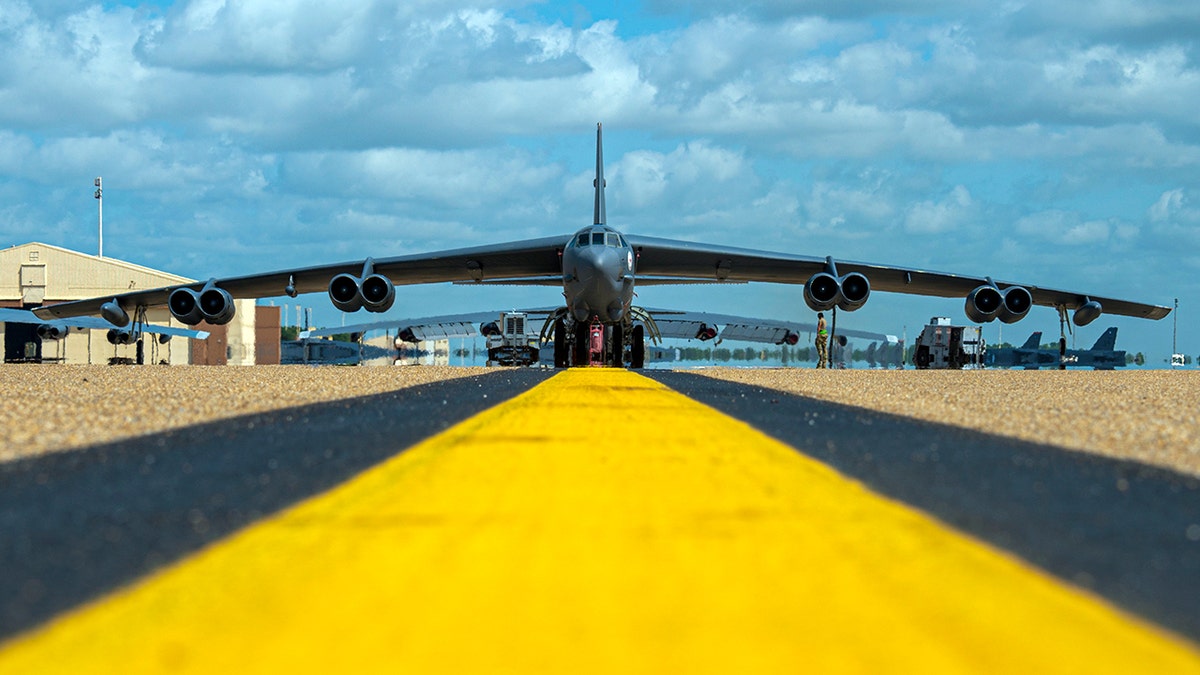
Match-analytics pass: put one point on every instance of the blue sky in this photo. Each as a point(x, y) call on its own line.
point(1048, 143)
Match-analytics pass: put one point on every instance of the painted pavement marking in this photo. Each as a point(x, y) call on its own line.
point(598, 523)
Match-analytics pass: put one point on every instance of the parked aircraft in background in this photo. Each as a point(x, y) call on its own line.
point(1102, 356)
point(330, 352)
point(596, 269)
point(886, 354)
point(58, 329)
point(672, 324)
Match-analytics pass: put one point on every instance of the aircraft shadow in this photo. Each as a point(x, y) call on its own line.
point(1123, 530)
point(76, 524)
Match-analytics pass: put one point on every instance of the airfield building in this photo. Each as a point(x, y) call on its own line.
point(36, 274)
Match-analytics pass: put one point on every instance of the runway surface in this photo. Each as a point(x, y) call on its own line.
point(597, 521)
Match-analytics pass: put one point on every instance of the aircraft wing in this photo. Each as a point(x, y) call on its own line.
point(689, 325)
point(95, 322)
point(660, 261)
point(705, 262)
point(671, 324)
point(426, 328)
point(520, 260)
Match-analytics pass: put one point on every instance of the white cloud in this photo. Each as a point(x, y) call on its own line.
point(1063, 228)
point(1050, 138)
point(955, 212)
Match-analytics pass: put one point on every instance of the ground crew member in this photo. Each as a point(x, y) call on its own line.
point(822, 339)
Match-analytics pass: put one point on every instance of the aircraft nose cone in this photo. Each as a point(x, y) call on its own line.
point(599, 289)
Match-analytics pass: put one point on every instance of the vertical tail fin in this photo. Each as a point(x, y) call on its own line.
point(1107, 341)
point(1032, 342)
point(599, 182)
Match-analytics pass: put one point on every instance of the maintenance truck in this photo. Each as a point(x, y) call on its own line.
point(947, 347)
point(509, 341)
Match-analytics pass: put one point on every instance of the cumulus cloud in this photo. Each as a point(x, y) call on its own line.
point(956, 211)
point(1063, 228)
point(1062, 130)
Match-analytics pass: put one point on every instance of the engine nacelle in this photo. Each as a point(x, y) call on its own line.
point(211, 304)
point(488, 328)
point(184, 304)
point(216, 305)
point(378, 293)
point(706, 332)
point(52, 331)
point(984, 303)
point(987, 303)
point(1087, 313)
point(822, 291)
point(344, 292)
point(1017, 301)
point(855, 289)
point(406, 335)
point(373, 291)
point(118, 336)
point(789, 338)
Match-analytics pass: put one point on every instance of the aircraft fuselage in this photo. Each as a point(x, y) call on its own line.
point(598, 275)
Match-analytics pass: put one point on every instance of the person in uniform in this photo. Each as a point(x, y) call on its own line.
point(822, 341)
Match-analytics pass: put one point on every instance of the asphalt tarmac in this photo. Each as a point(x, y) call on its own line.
point(75, 525)
point(1126, 531)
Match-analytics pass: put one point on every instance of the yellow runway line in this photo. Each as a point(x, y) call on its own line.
point(598, 523)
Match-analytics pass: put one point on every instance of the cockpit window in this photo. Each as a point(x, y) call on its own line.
point(598, 238)
point(613, 240)
point(622, 241)
point(582, 240)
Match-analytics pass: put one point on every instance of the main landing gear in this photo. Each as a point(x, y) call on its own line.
point(579, 343)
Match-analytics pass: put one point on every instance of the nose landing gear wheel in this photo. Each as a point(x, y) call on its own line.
point(637, 348)
point(560, 344)
point(618, 346)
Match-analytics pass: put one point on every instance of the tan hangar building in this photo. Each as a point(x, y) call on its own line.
point(36, 274)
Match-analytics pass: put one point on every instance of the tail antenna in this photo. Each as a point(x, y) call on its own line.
point(599, 182)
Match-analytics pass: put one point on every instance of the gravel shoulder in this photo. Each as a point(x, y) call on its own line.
point(1147, 416)
point(62, 407)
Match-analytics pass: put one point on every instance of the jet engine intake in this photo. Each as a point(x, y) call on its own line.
point(987, 303)
point(211, 304)
point(488, 328)
point(184, 304)
point(52, 331)
point(378, 293)
point(216, 305)
point(344, 293)
point(118, 336)
point(823, 291)
point(374, 292)
point(1017, 301)
point(983, 303)
point(855, 289)
point(789, 338)
point(706, 332)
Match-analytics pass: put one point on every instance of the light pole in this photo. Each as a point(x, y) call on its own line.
point(1175, 334)
point(100, 202)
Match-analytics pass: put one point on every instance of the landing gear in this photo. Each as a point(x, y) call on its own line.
point(618, 346)
point(592, 343)
point(560, 344)
point(637, 348)
point(582, 358)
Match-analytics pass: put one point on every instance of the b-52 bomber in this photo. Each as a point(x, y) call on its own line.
point(596, 269)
